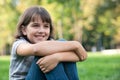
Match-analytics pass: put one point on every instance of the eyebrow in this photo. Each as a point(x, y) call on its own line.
point(38, 23)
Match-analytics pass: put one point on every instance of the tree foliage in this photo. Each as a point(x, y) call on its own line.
point(92, 22)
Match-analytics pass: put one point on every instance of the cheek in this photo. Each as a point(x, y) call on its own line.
point(48, 31)
point(30, 34)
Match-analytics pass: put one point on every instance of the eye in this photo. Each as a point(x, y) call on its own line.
point(35, 25)
point(47, 26)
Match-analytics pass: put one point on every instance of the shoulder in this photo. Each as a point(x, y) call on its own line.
point(19, 41)
point(62, 39)
point(16, 43)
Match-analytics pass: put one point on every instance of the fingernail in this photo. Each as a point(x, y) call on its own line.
point(36, 62)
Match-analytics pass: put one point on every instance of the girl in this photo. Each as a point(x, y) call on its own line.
point(54, 60)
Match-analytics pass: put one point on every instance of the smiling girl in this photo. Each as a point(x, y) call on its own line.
point(36, 56)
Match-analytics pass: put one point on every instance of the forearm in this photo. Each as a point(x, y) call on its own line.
point(48, 63)
point(49, 47)
point(45, 48)
point(67, 56)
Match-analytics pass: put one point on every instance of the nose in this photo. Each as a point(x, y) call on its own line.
point(41, 30)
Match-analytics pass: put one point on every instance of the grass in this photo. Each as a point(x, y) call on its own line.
point(96, 67)
point(100, 67)
point(4, 67)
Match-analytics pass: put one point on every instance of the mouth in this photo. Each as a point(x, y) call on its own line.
point(39, 36)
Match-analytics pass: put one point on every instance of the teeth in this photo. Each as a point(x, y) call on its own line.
point(40, 35)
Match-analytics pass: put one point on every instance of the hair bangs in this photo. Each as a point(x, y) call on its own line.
point(40, 16)
point(35, 17)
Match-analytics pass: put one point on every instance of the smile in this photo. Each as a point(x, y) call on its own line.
point(39, 36)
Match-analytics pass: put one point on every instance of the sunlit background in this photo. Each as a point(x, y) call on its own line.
point(94, 23)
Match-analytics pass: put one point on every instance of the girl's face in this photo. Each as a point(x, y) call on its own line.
point(37, 31)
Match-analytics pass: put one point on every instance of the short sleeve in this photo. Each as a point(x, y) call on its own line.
point(16, 44)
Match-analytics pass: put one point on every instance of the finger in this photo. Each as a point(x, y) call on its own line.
point(39, 61)
point(46, 71)
point(43, 69)
point(41, 66)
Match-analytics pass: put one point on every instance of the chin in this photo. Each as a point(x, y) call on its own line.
point(39, 41)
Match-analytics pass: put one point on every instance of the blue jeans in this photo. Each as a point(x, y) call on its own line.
point(63, 71)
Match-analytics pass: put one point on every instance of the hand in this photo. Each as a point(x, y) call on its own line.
point(81, 52)
point(48, 63)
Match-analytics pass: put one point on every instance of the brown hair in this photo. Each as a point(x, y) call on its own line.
point(31, 14)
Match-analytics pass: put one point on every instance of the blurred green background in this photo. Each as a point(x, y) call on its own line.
point(98, 66)
point(94, 23)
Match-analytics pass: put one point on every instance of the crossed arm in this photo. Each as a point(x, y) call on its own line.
point(53, 52)
point(45, 48)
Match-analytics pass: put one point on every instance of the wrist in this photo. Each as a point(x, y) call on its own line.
point(58, 57)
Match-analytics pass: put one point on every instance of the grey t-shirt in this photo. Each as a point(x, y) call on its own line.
point(19, 65)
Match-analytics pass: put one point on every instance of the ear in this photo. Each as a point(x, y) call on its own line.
point(24, 30)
